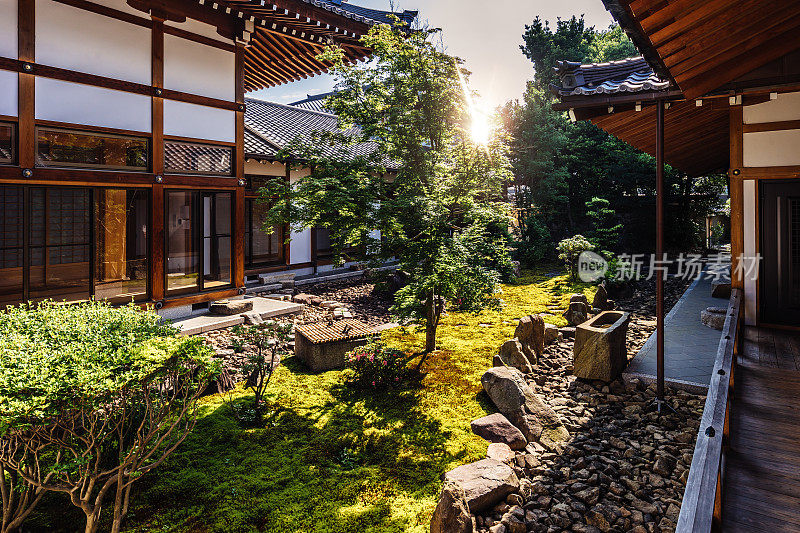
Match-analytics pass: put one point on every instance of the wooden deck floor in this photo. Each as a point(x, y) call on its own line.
point(762, 476)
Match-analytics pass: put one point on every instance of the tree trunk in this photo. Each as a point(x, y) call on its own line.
point(92, 519)
point(430, 323)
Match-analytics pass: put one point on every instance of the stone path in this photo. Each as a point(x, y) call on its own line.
point(689, 347)
point(264, 307)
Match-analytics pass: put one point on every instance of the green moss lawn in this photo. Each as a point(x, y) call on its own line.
point(330, 460)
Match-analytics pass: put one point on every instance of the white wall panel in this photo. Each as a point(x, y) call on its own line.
point(8, 28)
point(199, 69)
point(786, 107)
point(749, 223)
point(771, 148)
point(93, 106)
point(300, 247)
point(121, 5)
point(200, 122)
point(9, 89)
point(80, 40)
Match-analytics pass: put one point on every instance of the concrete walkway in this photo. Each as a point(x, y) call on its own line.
point(689, 347)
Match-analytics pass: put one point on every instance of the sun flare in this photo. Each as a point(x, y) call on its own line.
point(481, 130)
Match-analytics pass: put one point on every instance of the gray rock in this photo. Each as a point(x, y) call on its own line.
point(551, 334)
point(523, 407)
point(713, 317)
point(485, 482)
point(600, 300)
point(497, 428)
point(600, 349)
point(452, 512)
point(502, 452)
point(577, 313)
point(511, 354)
point(530, 332)
point(230, 307)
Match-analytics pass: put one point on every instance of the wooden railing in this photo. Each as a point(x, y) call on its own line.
point(701, 510)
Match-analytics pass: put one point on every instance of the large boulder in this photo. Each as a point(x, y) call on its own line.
point(577, 313)
point(485, 482)
point(578, 297)
point(600, 349)
point(230, 307)
point(511, 354)
point(523, 407)
point(497, 428)
point(530, 332)
point(601, 300)
point(452, 512)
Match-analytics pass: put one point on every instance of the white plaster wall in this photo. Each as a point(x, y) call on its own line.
point(199, 122)
point(300, 247)
point(80, 40)
point(771, 148)
point(786, 107)
point(8, 28)
point(267, 168)
point(93, 106)
point(199, 28)
point(121, 5)
point(749, 224)
point(199, 69)
point(9, 89)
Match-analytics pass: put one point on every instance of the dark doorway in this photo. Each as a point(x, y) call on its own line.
point(780, 251)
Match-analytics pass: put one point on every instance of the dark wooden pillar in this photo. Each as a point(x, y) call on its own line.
point(238, 226)
point(27, 84)
point(157, 238)
point(736, 192)
point(660, 250)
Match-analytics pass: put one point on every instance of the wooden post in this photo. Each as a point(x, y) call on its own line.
point(26, 84)
point(238, 218)
point(157, 238)
point(736, 193)
point(660, 250)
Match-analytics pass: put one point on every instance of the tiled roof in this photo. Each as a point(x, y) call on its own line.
point(313, 102)
point(362, 14)
point(270, 127)
point(630, 75)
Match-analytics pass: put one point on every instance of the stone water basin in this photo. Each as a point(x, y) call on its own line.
point(600, 350)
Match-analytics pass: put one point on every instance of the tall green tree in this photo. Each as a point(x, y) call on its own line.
point(441, 213)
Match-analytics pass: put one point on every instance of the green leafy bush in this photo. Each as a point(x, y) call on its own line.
point(570, 249)
point(91, 398)
point(374, 366)
point(535, 242)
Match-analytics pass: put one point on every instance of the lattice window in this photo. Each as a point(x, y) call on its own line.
point(794, 239)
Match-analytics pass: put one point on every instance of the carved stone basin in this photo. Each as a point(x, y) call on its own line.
point(600, 350)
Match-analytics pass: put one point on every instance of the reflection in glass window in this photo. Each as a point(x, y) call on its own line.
point(70, 148)
point(11, 241)
point(121, 235)
point(192, 158)
point(7, 143)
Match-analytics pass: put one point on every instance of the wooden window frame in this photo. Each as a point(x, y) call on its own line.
point(13, 159)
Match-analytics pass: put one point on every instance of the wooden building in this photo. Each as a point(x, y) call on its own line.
point(718, 90)
point(122, 138)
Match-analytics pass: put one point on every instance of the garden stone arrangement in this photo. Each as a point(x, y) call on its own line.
point(565, 453)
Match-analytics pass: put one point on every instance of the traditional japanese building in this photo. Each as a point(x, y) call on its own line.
point(123, 140)
point(717, 89)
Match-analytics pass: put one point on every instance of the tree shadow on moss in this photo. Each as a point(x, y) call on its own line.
point(347, 465)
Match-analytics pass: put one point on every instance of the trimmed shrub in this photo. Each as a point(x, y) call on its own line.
point(570, 249)
point(91, 398)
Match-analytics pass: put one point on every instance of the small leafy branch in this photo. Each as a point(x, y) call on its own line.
point(269, 340)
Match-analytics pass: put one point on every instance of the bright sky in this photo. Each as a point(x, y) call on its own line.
point(486, 35)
